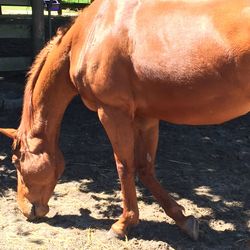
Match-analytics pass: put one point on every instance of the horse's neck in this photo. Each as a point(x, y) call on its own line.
point(51, 95)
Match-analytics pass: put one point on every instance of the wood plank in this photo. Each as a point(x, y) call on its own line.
point(15, 2)
point(16, 19)
point(15, 31)
point(15, 63)
point(13, 47)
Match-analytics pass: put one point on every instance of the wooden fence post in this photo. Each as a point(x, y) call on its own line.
point(38, 33)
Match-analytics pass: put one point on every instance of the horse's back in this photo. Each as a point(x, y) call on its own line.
point(192, 60)
point(178, 40)
point(181, 61)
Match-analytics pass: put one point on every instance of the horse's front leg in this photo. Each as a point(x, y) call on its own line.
point(119, 127)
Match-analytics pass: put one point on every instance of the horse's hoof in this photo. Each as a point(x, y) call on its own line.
point(114, 235)
point(191, 227)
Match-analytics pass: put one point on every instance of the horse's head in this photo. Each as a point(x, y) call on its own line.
point(38, 169)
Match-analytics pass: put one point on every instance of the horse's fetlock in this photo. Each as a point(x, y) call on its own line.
point(132, 217)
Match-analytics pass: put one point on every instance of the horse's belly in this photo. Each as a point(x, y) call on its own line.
point(196, 109)
point(208, 101)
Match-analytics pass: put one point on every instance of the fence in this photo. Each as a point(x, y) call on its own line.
point(21, 36)
point(16, 50)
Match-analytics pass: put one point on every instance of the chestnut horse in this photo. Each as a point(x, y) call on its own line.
point(134, 62)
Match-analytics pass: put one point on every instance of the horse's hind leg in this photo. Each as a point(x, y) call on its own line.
point(119, 127)
point(146, 144)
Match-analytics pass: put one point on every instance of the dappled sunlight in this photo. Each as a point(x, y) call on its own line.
point(208, 177)
point(7, 176)
point(191, 208)
point(221, 226)
point(206, 191)
point(236, 204)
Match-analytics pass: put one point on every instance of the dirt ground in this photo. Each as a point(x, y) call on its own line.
point(207, 169)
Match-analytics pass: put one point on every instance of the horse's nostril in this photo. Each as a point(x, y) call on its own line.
point(32, 214)
point(33, 210)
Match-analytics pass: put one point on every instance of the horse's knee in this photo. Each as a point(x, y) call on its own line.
point(124, 170)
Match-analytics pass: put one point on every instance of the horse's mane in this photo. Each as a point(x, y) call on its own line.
point(32, 76)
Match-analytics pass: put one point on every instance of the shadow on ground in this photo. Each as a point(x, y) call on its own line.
point(209, 166)
point(153, 231)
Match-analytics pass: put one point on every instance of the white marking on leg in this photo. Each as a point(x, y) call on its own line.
point(149, 158)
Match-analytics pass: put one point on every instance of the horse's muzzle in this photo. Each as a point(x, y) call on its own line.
point(40, 210)
point(33, 212)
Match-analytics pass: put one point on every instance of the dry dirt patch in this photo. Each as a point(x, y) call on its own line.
point(207, 169)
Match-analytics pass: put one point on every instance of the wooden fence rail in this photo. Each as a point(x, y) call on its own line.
point(16, 42)
point(22, 36)
point(16, 2)
point(11, 30)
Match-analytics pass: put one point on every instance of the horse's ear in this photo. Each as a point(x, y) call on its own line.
point(10, 132)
